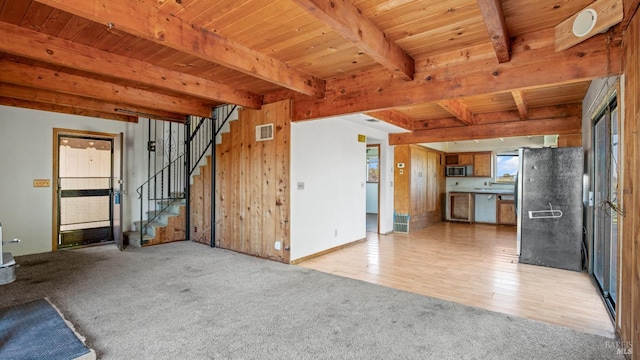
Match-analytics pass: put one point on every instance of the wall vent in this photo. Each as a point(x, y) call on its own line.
point(264, 132)
point(401, 223)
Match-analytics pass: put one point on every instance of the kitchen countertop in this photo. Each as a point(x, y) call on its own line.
point(484, 191)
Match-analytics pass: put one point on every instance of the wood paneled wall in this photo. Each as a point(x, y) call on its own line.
point(252, 191)
point(200, 196)
point(628, 310)
point(420, 188)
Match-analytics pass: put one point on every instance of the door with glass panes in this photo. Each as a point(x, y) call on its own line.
point(606, 212)
point(84, 190)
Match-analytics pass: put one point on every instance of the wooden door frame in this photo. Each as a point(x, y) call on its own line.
point(57, 132)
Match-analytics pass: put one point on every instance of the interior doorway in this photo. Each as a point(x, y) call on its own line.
point(373, 188)
point(86, 189)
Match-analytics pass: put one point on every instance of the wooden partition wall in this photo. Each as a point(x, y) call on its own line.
point(252, 186)
point(419, 185)
point(628, 310)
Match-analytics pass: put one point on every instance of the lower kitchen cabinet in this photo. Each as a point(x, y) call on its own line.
point(505, 210)
point(461, 206)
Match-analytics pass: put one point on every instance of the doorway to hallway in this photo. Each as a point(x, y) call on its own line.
point(373, 188)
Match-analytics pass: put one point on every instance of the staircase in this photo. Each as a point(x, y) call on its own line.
point(163, 198)
point(168, 224)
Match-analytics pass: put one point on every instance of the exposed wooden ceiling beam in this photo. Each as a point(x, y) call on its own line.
point(540, 113)
point(348, 21)
point(528, 68)
point(393, 117)
point(630, 8)
point(521, 103)
point(142, 18)
point(459, 57)
point(437, 123)
point(493, 17)
point(80, 102)
point(31, 76)
point(572, 125)
point(38, 46)
point(64, 109)
point(458, 109)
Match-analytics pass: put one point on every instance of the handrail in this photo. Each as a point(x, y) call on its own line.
point(159, 172)
point(204, 139)
point(177, 188)
point(226, 118)
point(198, 140)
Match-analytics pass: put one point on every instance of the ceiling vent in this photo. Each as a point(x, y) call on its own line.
point(264, 132)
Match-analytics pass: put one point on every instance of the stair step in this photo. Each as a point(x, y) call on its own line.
point(162, 216)
point(150, 227)
point(135, 241)
point(169, 202)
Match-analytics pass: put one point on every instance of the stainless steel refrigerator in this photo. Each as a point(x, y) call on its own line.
point(549, 207)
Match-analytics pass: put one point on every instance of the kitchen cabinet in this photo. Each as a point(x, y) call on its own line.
point(458, 159)
point(419, 185)
point(482, 164)
point(478, 164)
point(505, 210)
point(485, 208)
point(461, 206)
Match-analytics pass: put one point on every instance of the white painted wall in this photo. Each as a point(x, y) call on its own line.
point(26, 153)
point(327, 157)
point(385, 218)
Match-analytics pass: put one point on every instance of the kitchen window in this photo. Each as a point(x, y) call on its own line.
point(506, 167)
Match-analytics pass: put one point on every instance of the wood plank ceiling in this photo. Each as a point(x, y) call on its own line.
point(454, 69)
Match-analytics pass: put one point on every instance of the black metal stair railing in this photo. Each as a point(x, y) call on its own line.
point(161, 191)
point(203, 133)
point(171, 183)
point(200, 139)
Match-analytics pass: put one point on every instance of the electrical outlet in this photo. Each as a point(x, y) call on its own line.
point(41, 183)
point(335, 234)
point(300, 185)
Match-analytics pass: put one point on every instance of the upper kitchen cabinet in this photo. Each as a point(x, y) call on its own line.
point(458, 159)
point(478, 163)
point(482, 164)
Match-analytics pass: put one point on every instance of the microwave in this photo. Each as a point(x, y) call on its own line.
point(456, 171)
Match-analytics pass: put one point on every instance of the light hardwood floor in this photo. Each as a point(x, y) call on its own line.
point(474, 265)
